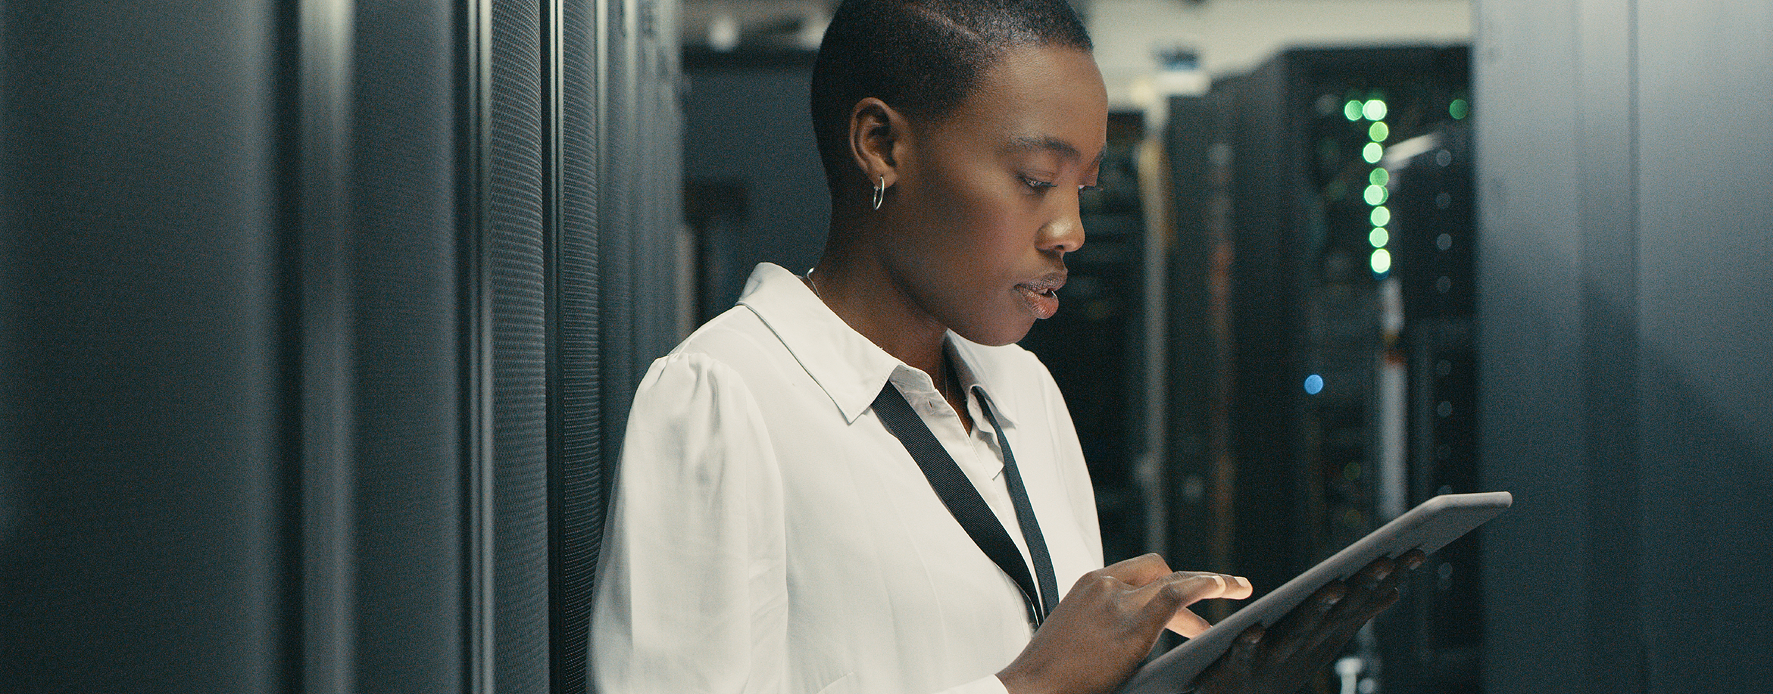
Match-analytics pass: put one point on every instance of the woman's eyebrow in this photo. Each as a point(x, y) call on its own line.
point(1048, 143)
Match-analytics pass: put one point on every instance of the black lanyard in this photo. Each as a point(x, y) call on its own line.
point(963, 500)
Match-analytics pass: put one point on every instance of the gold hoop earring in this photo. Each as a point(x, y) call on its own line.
point(880, 192)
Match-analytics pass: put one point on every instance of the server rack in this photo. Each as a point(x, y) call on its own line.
point(318, 322)
point(1431, 642)
point(1094, 346)
point(1304, 262)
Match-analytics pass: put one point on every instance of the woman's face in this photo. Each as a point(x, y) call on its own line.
point(986, 198)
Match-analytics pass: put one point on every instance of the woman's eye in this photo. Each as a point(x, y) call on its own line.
point(1036, 184)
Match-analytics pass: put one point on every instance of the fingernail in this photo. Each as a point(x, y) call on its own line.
point(1242, 581)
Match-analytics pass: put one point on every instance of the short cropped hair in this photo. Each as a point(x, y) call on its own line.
point(922, 57)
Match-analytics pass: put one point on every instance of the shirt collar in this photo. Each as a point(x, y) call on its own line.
point(976, 372)
point(848, 366)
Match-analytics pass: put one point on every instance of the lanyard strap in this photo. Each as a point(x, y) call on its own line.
point(963, 500)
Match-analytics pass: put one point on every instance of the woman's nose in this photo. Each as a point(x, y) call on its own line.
point(1065, 233)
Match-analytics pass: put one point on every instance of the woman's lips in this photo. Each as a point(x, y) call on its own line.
point(1042, 295)
point(1042, 304)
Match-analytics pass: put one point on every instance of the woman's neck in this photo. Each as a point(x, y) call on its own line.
point(868, 299)
point(860, 291)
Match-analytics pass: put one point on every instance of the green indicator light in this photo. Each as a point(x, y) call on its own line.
point(1373, 152)
point(1375, 195)
point(1379, 177)
point(1381, 261)
point(1379, 237)
point(1352, 110)
point(1374, 110)
point(1378, 132)
point(1459, 109)
point(1381, 216)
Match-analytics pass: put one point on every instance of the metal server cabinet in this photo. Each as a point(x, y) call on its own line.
point(310, 315)
point(1201, 380)
point(1297, 261)
point(1431, 640)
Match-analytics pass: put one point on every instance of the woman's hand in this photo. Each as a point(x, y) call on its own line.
point(1108, 623)
point(1280, 660)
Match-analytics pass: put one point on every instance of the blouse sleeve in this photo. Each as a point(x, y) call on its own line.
point(692, 593)
point(692, 590)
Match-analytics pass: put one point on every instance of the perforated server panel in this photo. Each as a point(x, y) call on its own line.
point(303, 311)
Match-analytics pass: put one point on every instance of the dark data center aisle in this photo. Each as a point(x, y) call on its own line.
point(320, 320)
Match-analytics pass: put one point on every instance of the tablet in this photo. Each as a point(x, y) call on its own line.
point(1428, 527)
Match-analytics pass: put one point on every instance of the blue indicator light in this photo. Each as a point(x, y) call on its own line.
point(1314, 384)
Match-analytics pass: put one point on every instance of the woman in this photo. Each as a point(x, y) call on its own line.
point(777, 525)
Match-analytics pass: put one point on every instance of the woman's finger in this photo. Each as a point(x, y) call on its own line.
point(1233, 671)
point(1380, 604)
point(1142, 570)
point(1304, 628)
point(1372, 589)
point(1369, 593)
point(1194, 586)
point(1187, 623)
point(1411, 559)
point(1223, 586)
point(1243, 652)
point(1236, 587)
point(1393, 584)
point(1138, 571)
point(1166, 599)
point(1364, 587)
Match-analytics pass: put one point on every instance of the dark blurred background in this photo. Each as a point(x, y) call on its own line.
point(319, 318)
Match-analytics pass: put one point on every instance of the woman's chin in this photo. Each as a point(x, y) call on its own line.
point(1003, 333)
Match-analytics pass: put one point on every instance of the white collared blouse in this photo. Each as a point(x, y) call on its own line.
point(768, 534)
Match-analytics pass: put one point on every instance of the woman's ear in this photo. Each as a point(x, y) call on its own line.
point(877, 139)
